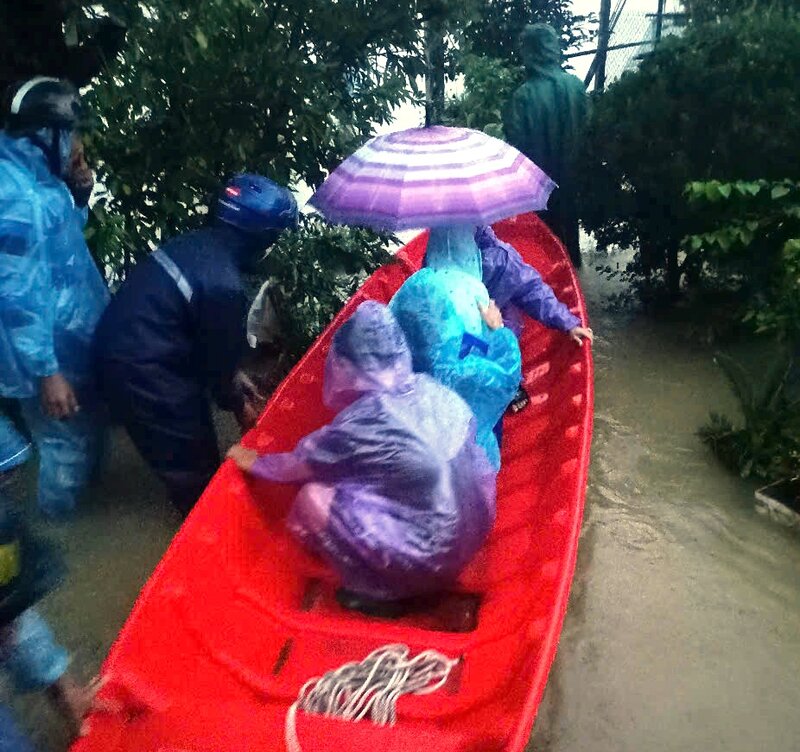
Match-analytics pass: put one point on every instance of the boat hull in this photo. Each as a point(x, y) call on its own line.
point(237, 617)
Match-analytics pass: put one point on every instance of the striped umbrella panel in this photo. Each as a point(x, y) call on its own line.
point(432, 177)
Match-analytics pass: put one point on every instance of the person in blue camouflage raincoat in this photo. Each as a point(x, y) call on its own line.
point(51, 293)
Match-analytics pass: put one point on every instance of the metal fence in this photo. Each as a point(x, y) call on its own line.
point(628, 31)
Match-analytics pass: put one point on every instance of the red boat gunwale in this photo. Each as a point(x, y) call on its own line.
point(236, 617)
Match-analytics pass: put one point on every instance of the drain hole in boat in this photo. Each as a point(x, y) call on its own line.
point(443, 612)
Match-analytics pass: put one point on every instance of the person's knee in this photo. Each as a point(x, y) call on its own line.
point(312, 506)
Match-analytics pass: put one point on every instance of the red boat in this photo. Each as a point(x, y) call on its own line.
point(237, 617)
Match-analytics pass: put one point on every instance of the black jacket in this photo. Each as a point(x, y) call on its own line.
point(182, 313)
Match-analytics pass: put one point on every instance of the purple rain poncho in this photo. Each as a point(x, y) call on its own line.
point(517, 287)
point(398, 497)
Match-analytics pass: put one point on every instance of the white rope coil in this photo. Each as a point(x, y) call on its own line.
point(370, 688)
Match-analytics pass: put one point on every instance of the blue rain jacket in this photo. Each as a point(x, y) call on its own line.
point(51, 292)
point(437, 308)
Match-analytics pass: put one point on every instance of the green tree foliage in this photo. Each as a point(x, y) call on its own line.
point(701, 11)
point(488, 85)
point(751, 246)
point(64, 38)
point(205, 88)
point(721, 102)
point(313, 272)
point(495, 25)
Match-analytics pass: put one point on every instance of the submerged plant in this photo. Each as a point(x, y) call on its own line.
point(767, 444)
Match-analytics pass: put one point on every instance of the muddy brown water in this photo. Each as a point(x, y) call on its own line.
point(683, 631)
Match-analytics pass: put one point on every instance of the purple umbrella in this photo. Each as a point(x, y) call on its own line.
point(432, 177)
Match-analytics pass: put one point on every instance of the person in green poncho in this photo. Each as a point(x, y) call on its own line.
point(544, 119)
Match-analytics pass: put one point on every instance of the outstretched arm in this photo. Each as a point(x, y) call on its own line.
point(509, 278)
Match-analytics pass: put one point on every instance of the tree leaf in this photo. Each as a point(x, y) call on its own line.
point(712, 191)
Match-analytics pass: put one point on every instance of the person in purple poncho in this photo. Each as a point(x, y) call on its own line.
point(517, 288)
point(396, 505)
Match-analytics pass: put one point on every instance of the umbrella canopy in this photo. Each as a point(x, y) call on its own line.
point(432, 177)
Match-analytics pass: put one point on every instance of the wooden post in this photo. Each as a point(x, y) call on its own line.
point(659, 20)
point(602, 45)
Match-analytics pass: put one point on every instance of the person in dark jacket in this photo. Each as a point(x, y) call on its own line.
point(545, 120)
point(175, 331)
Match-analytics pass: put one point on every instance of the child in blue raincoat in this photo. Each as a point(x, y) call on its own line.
point(51, 293)
point(456, 332)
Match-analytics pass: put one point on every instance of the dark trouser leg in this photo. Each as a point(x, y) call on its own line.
point(182, 452)
point(562, 219)
point(169, 421)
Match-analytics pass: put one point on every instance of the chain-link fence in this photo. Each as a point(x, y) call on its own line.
point(633, 31)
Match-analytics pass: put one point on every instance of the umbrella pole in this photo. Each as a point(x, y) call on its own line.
point(434, 73)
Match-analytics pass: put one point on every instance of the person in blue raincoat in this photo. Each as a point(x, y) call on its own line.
point(176, 330)
point(51, 292)
point(456, 332)
point(30, 656)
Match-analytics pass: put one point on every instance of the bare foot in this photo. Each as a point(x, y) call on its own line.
point(75, 701)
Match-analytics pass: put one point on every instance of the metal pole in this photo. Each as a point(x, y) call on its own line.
point(611, 47)
point(602, 45)
point(659, 19)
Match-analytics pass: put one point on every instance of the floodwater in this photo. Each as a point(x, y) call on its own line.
point(683, 631)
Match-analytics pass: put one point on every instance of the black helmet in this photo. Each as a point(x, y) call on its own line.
point(43, 102)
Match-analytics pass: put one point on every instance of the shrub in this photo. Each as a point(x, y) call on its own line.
point(767, 443)
point(720, 102)
point(751, 246)
point(313, 272)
